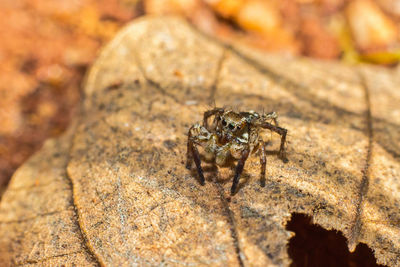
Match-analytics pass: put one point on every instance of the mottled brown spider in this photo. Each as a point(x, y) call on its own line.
point(232, 135)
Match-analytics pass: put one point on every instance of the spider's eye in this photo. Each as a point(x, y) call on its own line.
point(231, 126)
point(224, 123)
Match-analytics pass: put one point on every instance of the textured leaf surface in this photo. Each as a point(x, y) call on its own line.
point(114, 191)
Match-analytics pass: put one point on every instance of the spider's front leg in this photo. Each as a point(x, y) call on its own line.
point(282, 132)
point(239, 170)
point(197, 135)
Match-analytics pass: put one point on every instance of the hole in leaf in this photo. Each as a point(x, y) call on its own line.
point(314, 246)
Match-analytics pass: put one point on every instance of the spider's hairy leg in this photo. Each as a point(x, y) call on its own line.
point(272, 116)
point(210, 113)
point(239, 170)
point(282, 132)
point(197, 161)
point(194, 135)
point(263, 162)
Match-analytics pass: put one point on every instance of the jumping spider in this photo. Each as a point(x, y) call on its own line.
point(232, 135)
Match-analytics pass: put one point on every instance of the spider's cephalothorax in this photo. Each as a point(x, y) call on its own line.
point(232, 135)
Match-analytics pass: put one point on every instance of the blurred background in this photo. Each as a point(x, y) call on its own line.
point(46, 47)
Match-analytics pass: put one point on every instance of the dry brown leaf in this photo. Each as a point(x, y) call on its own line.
point(114, 190)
